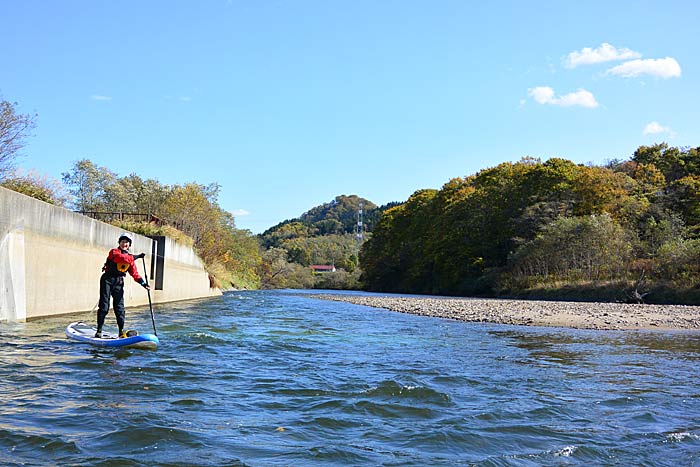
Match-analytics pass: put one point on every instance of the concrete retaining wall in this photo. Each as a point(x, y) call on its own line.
point(51, 262)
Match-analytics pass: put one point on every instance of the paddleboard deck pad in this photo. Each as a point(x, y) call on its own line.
point(82, 332)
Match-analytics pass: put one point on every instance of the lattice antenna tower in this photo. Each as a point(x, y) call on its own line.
point(359, 229)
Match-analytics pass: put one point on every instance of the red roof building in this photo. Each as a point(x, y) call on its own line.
point(322, 268)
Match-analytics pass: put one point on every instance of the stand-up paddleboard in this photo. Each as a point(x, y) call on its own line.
point(82, 332)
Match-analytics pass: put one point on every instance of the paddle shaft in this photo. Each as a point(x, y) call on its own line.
point(150, 304)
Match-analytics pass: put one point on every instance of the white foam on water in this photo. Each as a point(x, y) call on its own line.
point(566, 451)
point(681, 436)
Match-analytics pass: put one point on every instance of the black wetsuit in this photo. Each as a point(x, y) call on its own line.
point(118, 263)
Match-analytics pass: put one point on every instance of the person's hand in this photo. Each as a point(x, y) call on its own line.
point(140, 255)
point(146, 286)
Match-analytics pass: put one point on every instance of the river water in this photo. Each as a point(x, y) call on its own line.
point(274, 378)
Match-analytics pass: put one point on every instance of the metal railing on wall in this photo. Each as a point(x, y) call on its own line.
point(123, 216)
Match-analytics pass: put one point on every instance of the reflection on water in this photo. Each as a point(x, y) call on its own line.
point(274, 378)
point(683, 344)
point(569, 346)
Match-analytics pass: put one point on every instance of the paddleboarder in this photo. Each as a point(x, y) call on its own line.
point(119, 262)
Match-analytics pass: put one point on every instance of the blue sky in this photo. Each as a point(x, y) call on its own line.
point(287, 104)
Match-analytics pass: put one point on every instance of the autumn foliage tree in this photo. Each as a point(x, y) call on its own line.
point(231, 255)
point(37, 186)
point(533, 222)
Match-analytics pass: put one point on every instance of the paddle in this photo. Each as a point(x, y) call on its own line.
point(150, 305)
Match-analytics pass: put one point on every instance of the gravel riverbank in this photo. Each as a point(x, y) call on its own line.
point(582, 315)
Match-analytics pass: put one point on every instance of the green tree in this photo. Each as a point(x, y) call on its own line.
point(655, 226)
point(339, 250)
point(274, 268)
point(381, 267)
point(132, 194)
point(338, 280)
point(88, 184)
point(674, 163)
point(455, 240)
point(242, 259)
point(684, 198)
point(679, 261)
point(574, 248)
point(392, 259)
point(274, 237)
point(484, 223)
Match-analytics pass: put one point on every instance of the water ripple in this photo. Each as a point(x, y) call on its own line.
point(276, 379)
point(420, 394)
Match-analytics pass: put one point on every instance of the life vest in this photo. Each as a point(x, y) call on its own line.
point(119, 262)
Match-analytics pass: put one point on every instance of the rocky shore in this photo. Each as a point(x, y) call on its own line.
point(581, 315)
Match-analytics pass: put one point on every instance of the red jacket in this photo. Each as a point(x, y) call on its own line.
point(119, 262)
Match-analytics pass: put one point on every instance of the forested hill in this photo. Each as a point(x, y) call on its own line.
point(530, 226)
point(337, 217)
point(325, 235)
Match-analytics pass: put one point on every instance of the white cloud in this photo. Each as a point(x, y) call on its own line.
point(541, 94)
point(98, 97)
point(662, 68)
point(604, 53)
point(545, 95)
point(240, 212)
point(655, 128)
